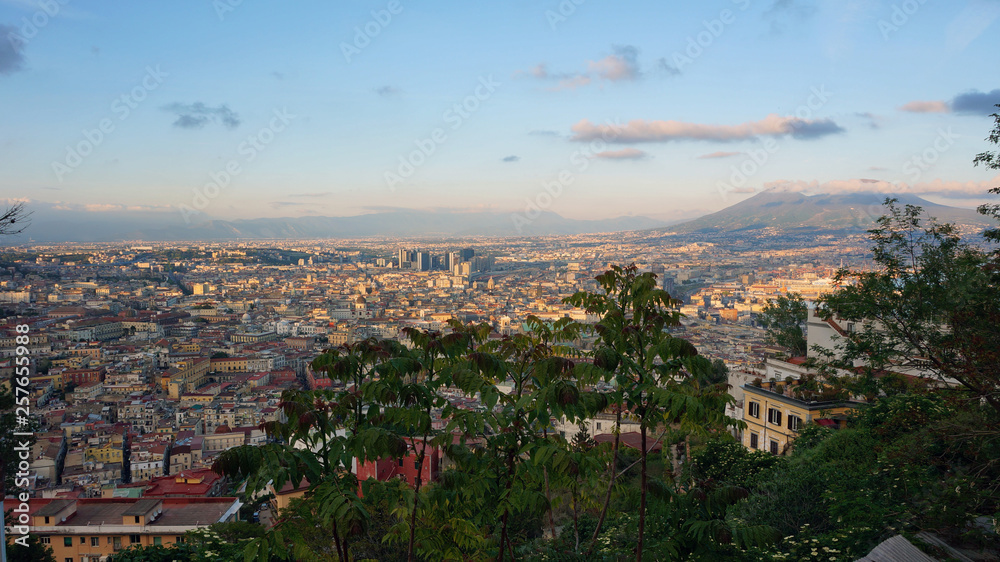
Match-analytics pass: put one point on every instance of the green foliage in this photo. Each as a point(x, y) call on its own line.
point(34, 552)
point(725, 460)
point(784, 319)
point(9, 457)
point(719, 373)
point(660, 379)
point(841, 483)
point(931, 306)
point(220, 541)
point(991, 160)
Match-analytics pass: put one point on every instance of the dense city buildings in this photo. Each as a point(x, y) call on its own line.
point(147, 361)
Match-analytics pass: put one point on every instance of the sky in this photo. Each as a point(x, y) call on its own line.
point(587, 108)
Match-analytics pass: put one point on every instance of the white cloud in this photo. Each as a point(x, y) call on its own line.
point(640, 130)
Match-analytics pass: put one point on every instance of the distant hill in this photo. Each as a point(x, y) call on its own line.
point(845, 211)
point(50, 225)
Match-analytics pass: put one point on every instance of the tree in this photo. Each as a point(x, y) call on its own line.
point(511, 464)
point(658, 376)
point(719, 373)
point(34, 552)
point(783, 318)
point(334, 430)
point(930, 309)
point(408, 389)
point(991, 160)
point(579, 465)
point(14, 219)
point(11, 423)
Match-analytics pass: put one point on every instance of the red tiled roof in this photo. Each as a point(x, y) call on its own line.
point(632, 439)
point(168, 486)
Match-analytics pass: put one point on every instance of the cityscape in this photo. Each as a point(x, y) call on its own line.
point(564, 280)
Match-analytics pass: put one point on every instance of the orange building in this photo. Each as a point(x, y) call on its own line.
point(92, 529)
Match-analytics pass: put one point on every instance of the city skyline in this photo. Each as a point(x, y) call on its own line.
point(232, 110)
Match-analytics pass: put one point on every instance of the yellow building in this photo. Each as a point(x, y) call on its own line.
point(92, 529)
point(187, 399)
point(54, 378)
point(185, 377)
point(91, 352)
point(106, 452)
point(253, 337)
point(774, 414)
point(76, 362)
point(229, 365)
point(223, 439)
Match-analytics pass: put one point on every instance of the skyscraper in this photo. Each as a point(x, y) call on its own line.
point(423, 261)
point(407, 259)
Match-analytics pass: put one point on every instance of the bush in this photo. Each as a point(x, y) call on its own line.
point(730, 462)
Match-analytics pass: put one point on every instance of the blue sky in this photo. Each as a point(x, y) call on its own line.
point(709, 102)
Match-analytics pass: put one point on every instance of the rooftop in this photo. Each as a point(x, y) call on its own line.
point(177, 512)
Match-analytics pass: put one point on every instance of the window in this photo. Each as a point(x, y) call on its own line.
point(136, 518)
point(794, 422)
point(69, 559)
point(95, 541)
point(118, 543)
point(753, 410)
point(157, 541)
point(400, 462)
point(416, 465)
point(46, 520)
point(774, 416)
point(67, 541)
point(46, 540)
point(179, 540)
point(754, 444)
point(83, 540)
point(133, 539)
point(598, 426)
point(774, 447)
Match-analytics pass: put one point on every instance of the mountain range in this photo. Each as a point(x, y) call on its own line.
point(59, 226)
point(843, 211)
point(774, 210)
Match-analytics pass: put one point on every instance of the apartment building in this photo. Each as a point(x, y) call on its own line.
point(776, 411)
point(93, 529)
